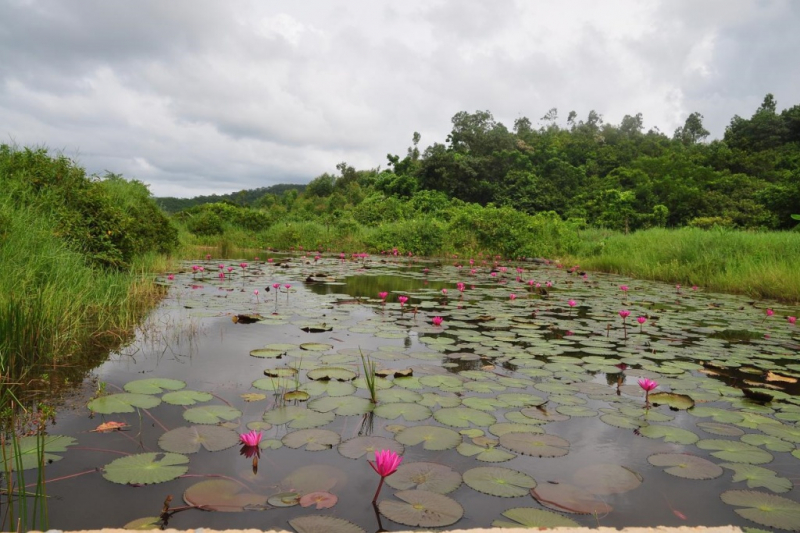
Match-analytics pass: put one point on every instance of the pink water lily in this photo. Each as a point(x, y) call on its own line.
point(402, 300)
point(386, 463)
point(382, 295)
point(172, 277)
point(791, 319)
point(624, 313)
point(437, 320)
point(512, 296)
point(647, 385)
point(251, 438)
point(243, 265)
point(572, 303)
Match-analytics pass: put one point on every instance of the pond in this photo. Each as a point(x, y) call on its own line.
point(522, 407)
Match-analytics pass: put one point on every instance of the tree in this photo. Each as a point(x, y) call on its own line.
point(692, 131)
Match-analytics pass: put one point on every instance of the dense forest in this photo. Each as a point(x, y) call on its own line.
point(243, 198)
point(590, 173)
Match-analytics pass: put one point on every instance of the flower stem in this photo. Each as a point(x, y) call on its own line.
point(380, 485)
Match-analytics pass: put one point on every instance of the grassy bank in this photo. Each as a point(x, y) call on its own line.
point(758, 264)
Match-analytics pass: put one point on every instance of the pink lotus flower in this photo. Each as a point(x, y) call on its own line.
point(572, 303)
point(221, 267)
point(230, 269)
point(222, 275)
point(243, 265)
point(386, 463)
point(171, 277)
point(647, 385)
point(623, 288)
point(269, 260)
point(512, 296)
point(549, 284)
point(444, 291)
point(531, 282)
point(201, 269)
point(694, 287)
point(437, 320)
point(494, 274)
point(770, 312)
point(460, 286)
point(791, 319)
point(641, 320)
point(624, 313)
point(287, 286)
point(276, 285)
point(208, 257)
point(251, 438)
point(402, 300)
point(383, 295)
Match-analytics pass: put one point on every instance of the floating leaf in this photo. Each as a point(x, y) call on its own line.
point(211, 414)
point(124, 402)
point(721, 429)
point(765, 509)
point(509, 427)
point(757, 477)
point(434, 438)
point(313, 478)
point(675, 401)
point(110, 426)
point(331, 373)
point(358, 447)
point(432, 477)
point(297, 417)
point(605, 478)
point(537, 445)
point(224, 495)
point(422, 508)
point(153, 385)
point(735, 451)
point(186, 397)
point(499, 481)
point(323, 524)
point(284, 499)
point(317, 346)
point(314, 440)
point(190, 439)
point(533, 518)
point(486, 454)
point(773, 444)
point(463, 417)
point(621, 421)
point(267, 353)
point(322, 500)
point(543, 414)
point(146, 468)
point(144, 524)
point(29, 450)
point(411, 412)
point(342, 405)
point(686, 465)
point(669, 434)
point(569, 498)
point(782, 431)
point(296, 395)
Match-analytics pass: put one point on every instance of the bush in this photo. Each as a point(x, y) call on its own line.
point(205, 223)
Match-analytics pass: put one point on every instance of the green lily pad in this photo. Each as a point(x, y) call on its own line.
point(316, 346)
point(186, 397)
point(605, 478)
point(225, 496)
point(432, 477)
point(686, 465)
point(675, 401)
point(331, 388)
point(422, 508)
point(502, 428)
point(537, 445)
point(191, 439)
point(358, 447)
point(398, 396)
point(544, 415)
point(773, 444)
point(782, 431)
point(486, 454)
point(314, 440)
point(146, 468)
point(621, 421)
point(669, 434)
point(764, 509)
point(432, 399)
point(124, 402)
point(533, 518)
point(28, 454)
point(434, 438)
point(735, 451)
point(153, 385)
point(297, 417)
point(499, 481)
point(267, 353)
point(313, 478)
point(296, 395)
point(211, 414)
point(323, 524)
point(146, 523)
point(463, 417)
point(411, 412)
point(758, 477)
point(342, 405)
point(568, 498)
point(331, 373)
point(726, 430)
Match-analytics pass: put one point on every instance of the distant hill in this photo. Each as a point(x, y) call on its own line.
point(244, 197)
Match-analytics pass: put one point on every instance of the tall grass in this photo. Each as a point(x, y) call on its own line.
point(758, 264)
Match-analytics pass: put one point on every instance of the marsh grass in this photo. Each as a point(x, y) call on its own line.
point(758, 264)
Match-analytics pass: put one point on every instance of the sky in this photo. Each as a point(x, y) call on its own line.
point(196, 97)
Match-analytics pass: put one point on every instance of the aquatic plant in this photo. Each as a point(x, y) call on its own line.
point(641, 320)
point(370, 376)
point(647, 385)
point(437, 320)
point(386, 463)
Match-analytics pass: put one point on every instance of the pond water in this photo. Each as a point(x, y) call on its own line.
point(524, 410)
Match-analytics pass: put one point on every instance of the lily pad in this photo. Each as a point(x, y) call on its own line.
point(725, 430)
point(735, 451)
point(358, 447)
point(186, 397)
point(297, 417)
point(124, 402)
point(669, 434)
point(570, 499)
point(537, 445)
point(606, 478)
point(313, 478)
point(686, 465)
point(211, 414)
point(225, 496)
point(323, 524)
point(765, 509)
point(191, 439)
point(533, 518)
point(434, 438)
point(411, 412)
point(153, 385)
point(28, 454)
point(432, 477)
point(463, 417)
point(321, 500)
point(331, 373)
point(317, 346)
point(314, 440)
point(674, 401)
point(146, 468)
point(342, 405)
point(499, 481)
point(487, 454)
point(421, 508)
point(759, 477)
point(146, 523)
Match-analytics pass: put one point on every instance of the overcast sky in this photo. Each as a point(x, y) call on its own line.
point(198, 97)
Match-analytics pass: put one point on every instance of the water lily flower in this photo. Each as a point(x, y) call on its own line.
point(386, 463)
point(641, 320)
point(230, 269)
point(251, 438)
point(276, 285)
point(243, 265)
point(208, 257)
point(222, 275)
point(647, 385)
point(221, 266)
point(512, 296)
point(437, 320)
point(770, 312)
point(791, 319)
point(460, 286)
point(572, 303)
point(382, 295)
point(624, 313)
point(255, 291)
point(402, 300)
point(623, 288)
point(269, 260)
point(171, 277)
point(549, 284)
point(444, 292)
point(287, 286)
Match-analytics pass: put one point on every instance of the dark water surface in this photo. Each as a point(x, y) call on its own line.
point(565, 356)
